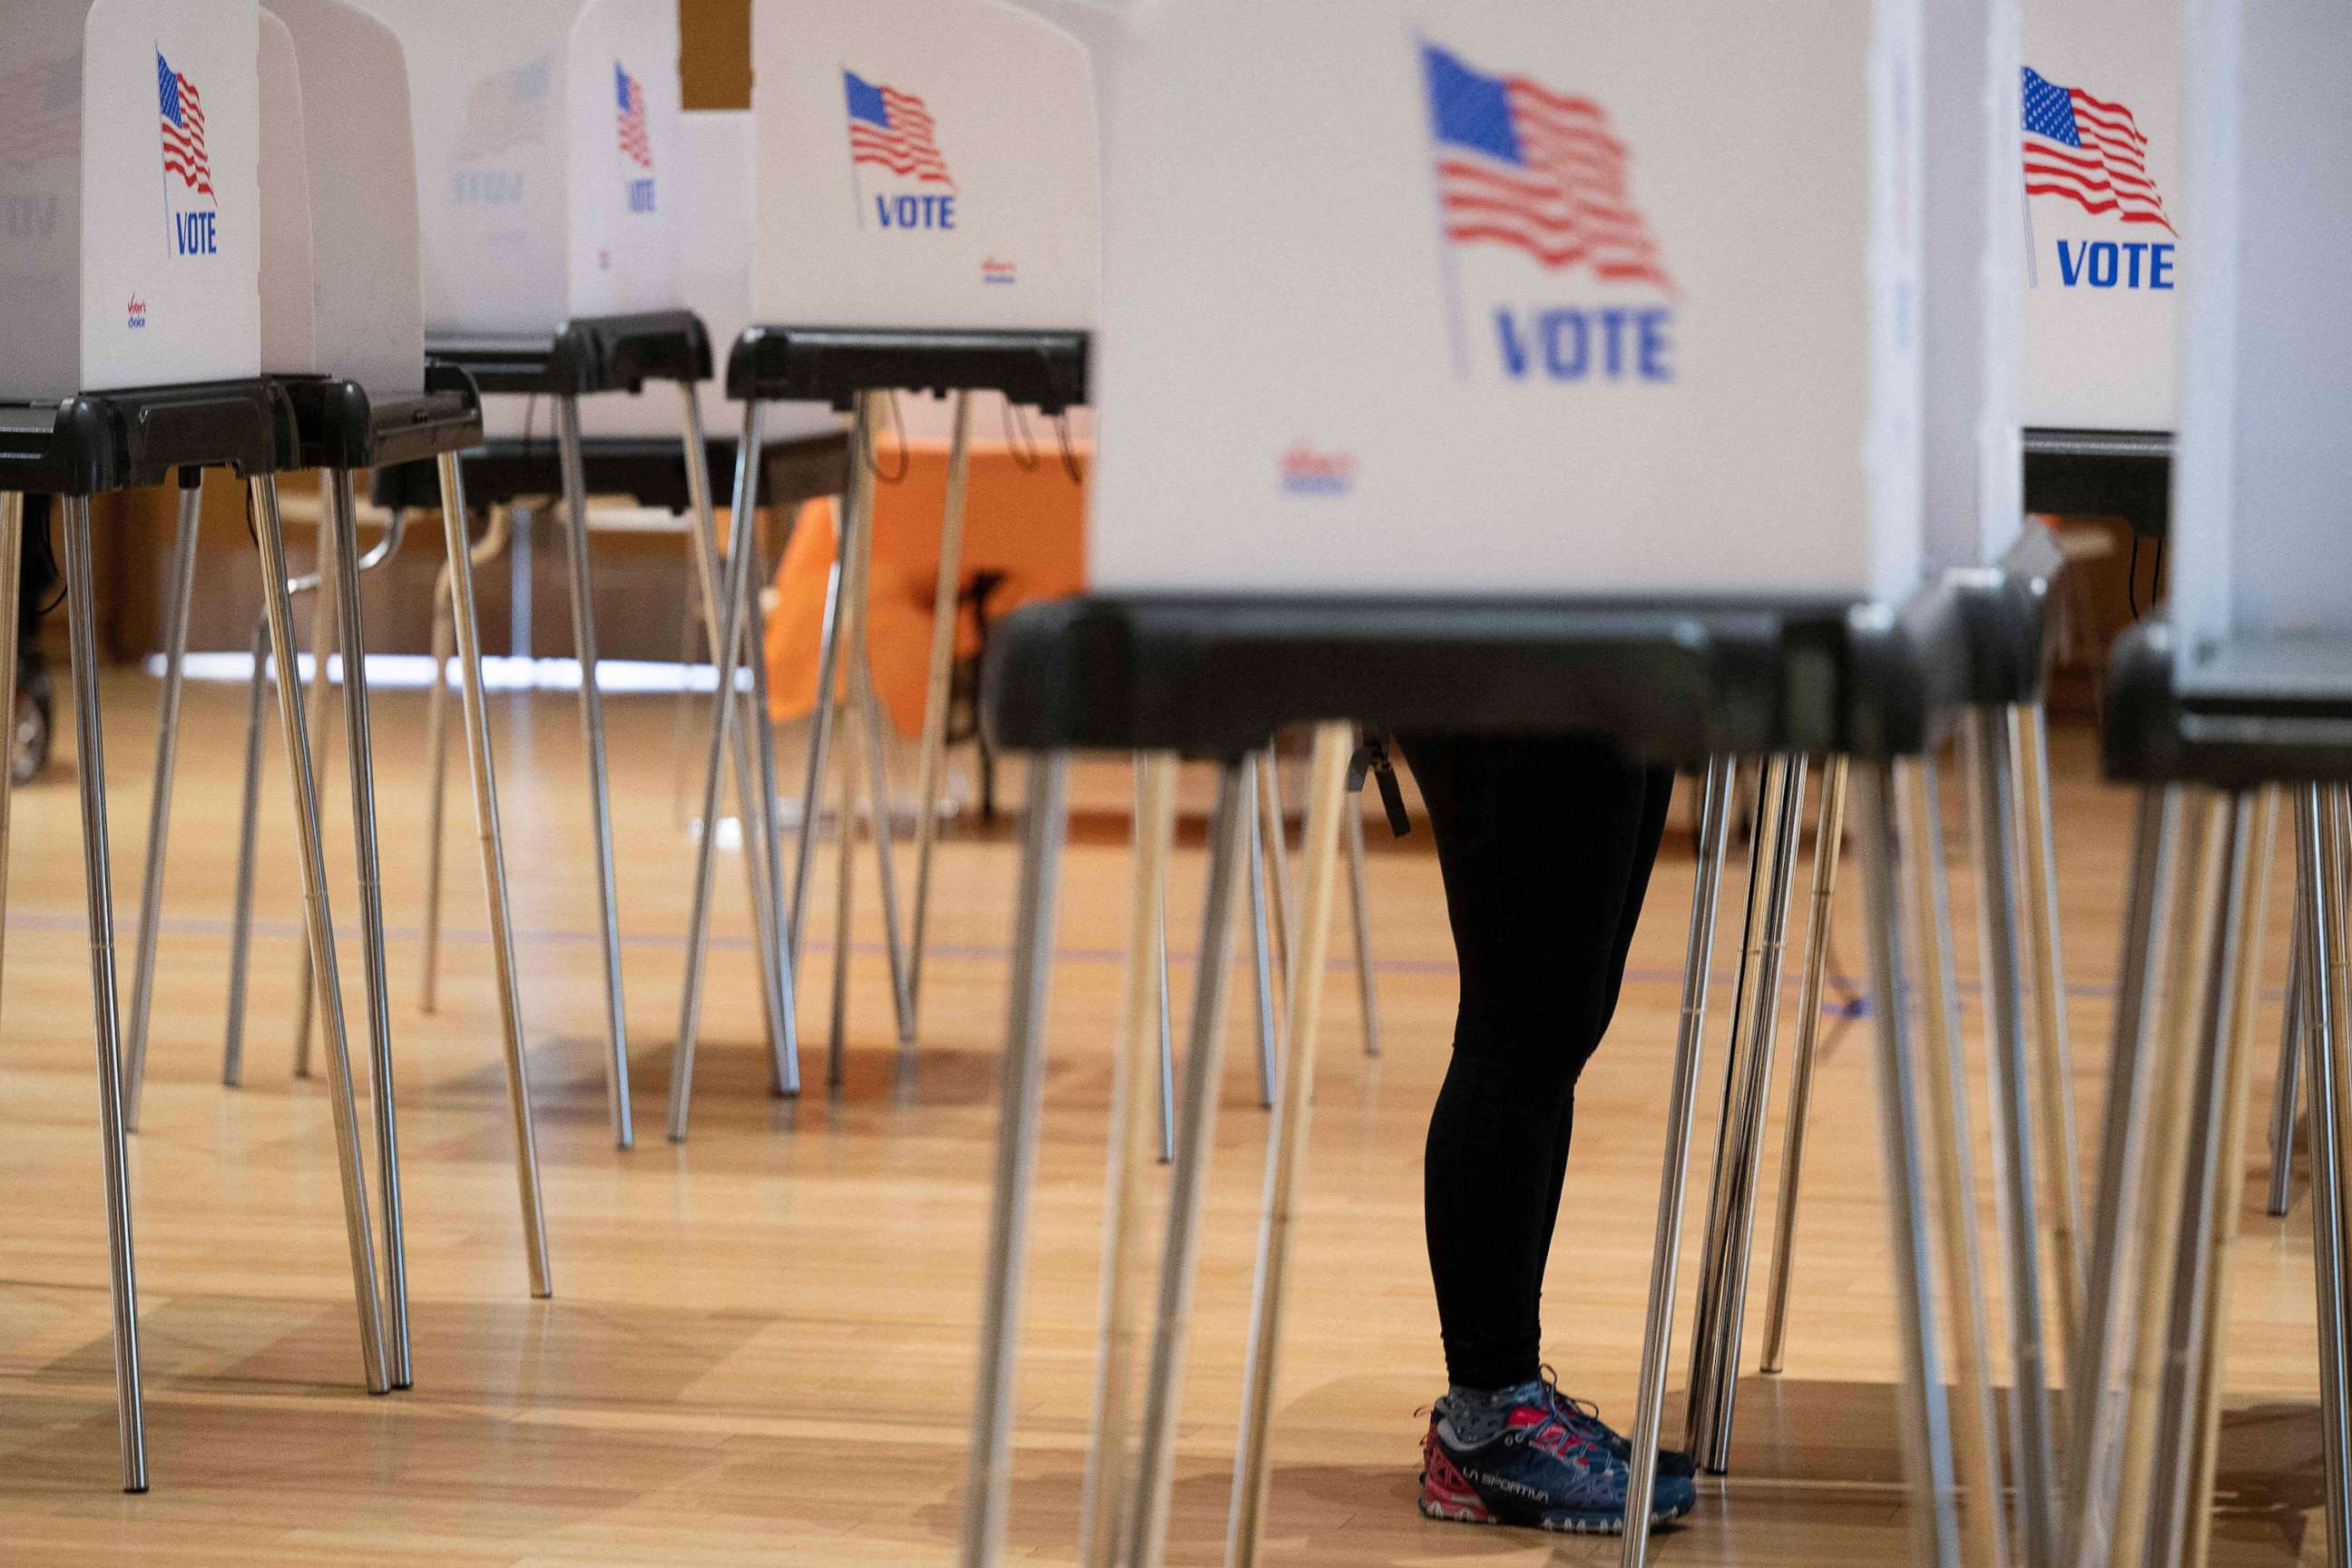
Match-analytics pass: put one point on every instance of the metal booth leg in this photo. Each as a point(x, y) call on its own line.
point(755, 780)
point(182, 587)
point(600, 790)
point(1167, 1045)
point(946, 601)
point(320, 691)
point(731, 595)
point(2180, 1173)
point(2000, 927)
point(1674, 1181)
point(248, 839)
point(343, 518)
point(2045, 979)
point(1828, 836)
point(97, 884)
point(2132, 1071)
point(2289, 1084)
point(1104, 1498)
point(1368, 1000)
point(2327, 1042)
point(436, 790)
point(823, 710)
point(278, 604)
point(2193, 1394)
point(755, 758)
point(865, 710)
point(437, 742)
point(12, 584)
point(494, 869)
point(1048, 799)
point(877, 778)
point(1269, 1023)
point(1327, 789)
point(1278, 858)
point(1926, 1412)
point(1739, 1149)
point(1145, 1527)
point(1948, 1155)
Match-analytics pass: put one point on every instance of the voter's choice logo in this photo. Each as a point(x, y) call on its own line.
point(895, 161)
point(1000, 273)
point(507, 113)
point(636, 144)
point(135, 315)
point(2088, 157)
point(1308, 472)
point(1551, 271)
point(191, 210)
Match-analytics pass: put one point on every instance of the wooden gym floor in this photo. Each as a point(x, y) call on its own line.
point(760, 1346)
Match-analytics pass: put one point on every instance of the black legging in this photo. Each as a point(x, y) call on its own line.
point(1545, 845)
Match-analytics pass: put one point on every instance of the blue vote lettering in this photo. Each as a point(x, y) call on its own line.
point(1572, 344)
point(2107, 264)
point(194, 235)
point(916, 212)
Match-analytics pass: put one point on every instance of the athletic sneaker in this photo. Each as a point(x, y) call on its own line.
point(1538, 1470)
point(1582, 1414)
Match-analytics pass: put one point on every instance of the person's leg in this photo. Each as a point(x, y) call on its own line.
point(1657, 797)
point(1545, 847)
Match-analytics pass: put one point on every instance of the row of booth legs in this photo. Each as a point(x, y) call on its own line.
point(382, 1300)
point(2121, 1310)
point(731, 615)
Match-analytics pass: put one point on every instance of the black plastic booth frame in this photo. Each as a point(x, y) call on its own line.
point(2211, 775)
point(1689, 684)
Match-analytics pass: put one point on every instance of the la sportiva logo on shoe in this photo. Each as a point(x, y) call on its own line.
point(1534, 193)
point(893, 134)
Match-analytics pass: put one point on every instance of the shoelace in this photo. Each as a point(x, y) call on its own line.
point(1582, 1417)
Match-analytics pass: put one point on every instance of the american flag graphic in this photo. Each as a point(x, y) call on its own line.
point(1521, 165)
point(40, 113)
point(636, 144)
point(183, 129)
point(506, 111)
point(894, 130)
point(2089, 152)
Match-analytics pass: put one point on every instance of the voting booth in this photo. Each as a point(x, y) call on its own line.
point(350, 258)
point(2261, 598)
point(546, 150)
point(341, 333)
point(711, 213)
point(2235, 701)
point(129, 205)
point(1575, 385)
point(918, 229)
point(546, 136)
point(2102, 158)
point(1999, 573)
point(1626, 348)
point(132, 249)
point(2101, 134)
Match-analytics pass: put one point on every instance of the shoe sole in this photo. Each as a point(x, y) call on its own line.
point(1569, 1522)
